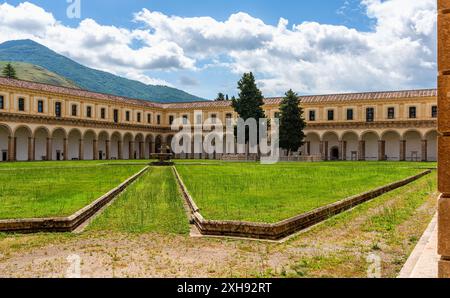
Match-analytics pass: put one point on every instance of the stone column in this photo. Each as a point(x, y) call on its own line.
point(362, 150)
point(66, 149)
point(324, 150)
point(424, 150)
point(308, 148)
point(444, 138)
point(30, 149)
point(381, 150)
point(108, 150)
point(131, 150)
point(95, 149)
point(141, 150)
point(119, 150)
point(402, 150)
point(49, 149)
point(11, 149)
point(81, 150)
point(342, 150)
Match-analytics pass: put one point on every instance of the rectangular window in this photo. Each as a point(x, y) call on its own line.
point(171, 118)
point(2, 102)
point(391, 113)
point(57, 109)
point(116, 116)
point(370, 114)
point(229, 116)
point(434, 112)
point(412, 112)
point(127, 116)
point(349, 114)
point(89, 112)
point(74, 110)
point(213, 118)
point(312, 115)
point(185, 119)
point(103, 113)
point(40, 106)
point(330, 115)
point(139, 117)
point(149, 118)
point(158, 119)
point(21, 104)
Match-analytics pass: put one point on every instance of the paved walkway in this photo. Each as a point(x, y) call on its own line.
point(423, 262)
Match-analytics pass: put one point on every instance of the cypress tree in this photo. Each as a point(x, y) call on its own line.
point(292, 124)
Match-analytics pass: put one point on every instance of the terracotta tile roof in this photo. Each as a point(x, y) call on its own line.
point(217, 104)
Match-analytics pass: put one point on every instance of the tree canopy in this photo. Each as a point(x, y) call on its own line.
point(292, 123)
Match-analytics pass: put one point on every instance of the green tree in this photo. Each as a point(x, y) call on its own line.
point(292, 124)
point(250, 101)
point(220, 97)
point(9, 71)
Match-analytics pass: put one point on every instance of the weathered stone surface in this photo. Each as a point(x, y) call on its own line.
point(444, 103)
point(444, 42)
point(444, 224)
point(443, 4)
point(444, 268)
point(444, 164)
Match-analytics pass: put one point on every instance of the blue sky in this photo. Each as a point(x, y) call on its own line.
point(337, 45)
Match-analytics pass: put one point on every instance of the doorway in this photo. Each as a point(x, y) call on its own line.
point(334, 153)
point(100, 155)
point(4, 155)
point(58, 155)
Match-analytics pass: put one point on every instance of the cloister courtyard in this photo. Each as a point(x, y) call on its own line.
point(146, 232)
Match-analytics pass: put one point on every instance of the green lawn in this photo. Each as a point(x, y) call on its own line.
point(36, 190)
point(270, 193)
point(151, 204)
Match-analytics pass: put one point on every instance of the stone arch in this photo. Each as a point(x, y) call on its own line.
point(40, 136)
point(74, 138)
point(330, 145)
point(350, 141)
point(22, 143)
point(5, 135)
point(116, 145)
point(432, 138)
point(392, 145)
point(127, 146)
point(57, 144)
point(413, 140)
point(370, 139)
point(89, 140)
point(103, 145)
point(312, 143)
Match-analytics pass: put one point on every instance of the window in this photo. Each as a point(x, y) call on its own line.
point(149, 118)
point(171, 118)
point(330, 115)
point(40, 106)
point(370, 114)
point(434, 111)
point(158, 119)
point(350, 114)
point(412, 112)
point(2, 102)
point(139, 117)
point(74, 110)
point(185, 119)
point(58, 109)
point(213, 118)
point(229, 116)
point(116, 116)
point(103, 113)
point(312, 115)
point(21, 104)
point(127, 116)
point(391, 113)
point(89, 112)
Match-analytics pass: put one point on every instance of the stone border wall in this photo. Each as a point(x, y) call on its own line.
point(66, 224)
point(286, 227)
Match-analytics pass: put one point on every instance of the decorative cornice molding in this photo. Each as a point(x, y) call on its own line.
point(375, 125)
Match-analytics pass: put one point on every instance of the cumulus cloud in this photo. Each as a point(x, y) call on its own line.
point(399, 52)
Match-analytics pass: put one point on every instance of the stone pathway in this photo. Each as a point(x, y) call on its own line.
point(423, 262)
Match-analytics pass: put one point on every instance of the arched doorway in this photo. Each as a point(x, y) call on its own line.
point(392, 145)
point(103, 138)
point(413, 145)
point(312, 143)
point(127, 150)
point(334, 153)
point(41, 135)
point(330, 140)
point(370, 139)
point(350, 140)
point(22, 137)
point(114, 147)
point(74, 144)
point(5, 133)
point(88, 141)
point(58, 137)
point(432, 138)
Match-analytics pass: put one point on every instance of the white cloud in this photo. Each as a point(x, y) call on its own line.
point(398, 53)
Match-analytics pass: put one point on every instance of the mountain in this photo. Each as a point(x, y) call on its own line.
point(31, 52)
point(34, 73)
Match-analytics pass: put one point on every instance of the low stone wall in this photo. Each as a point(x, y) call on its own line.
point(286, 227)
point(65, 224)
